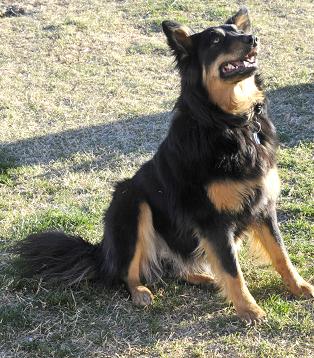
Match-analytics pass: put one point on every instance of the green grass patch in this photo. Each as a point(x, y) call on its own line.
point(7, 170)
point(72, 221)
point(14, 317)
point(52, 349)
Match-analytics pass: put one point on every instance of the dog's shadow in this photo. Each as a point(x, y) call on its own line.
point(101, 144)
point(291, 108)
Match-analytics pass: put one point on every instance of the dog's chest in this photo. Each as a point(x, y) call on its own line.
point(235, 195)
point(241, 152)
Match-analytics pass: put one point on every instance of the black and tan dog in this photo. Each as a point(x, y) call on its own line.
point(212, 181)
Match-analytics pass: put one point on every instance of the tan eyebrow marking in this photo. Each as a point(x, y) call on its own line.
point(220, 31)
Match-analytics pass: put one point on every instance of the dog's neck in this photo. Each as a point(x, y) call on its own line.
point(236, 99)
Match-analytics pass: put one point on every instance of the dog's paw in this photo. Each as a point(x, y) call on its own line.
point(251, 314)
point(304, 289)
point(141, 296)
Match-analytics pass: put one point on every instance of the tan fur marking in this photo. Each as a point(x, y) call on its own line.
point(182, 35)
point(281, 261)
point(234, 288)
point(134, 268)
point(141, 295)
point(186, 30)
point(200, 279)
point(230, 195)
point(240, 20)
point(235, 98)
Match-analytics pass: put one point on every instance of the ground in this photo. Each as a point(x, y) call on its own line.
point(87, 89)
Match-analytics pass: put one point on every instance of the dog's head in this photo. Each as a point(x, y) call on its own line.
point(223, 58)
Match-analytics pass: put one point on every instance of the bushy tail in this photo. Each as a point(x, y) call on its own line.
point(55, 256)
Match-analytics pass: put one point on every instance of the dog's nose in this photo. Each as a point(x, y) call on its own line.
point(255, 41)
point(251, 39)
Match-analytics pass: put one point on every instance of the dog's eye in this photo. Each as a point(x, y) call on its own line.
point(216, 40)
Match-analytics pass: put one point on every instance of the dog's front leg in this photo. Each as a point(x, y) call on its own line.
point(267, 233)
point(223, 259)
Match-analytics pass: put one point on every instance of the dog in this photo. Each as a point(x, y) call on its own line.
point(212, 181)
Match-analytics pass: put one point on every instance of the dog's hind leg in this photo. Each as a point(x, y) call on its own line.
point(128, 244)
point(140, 294)
point(267, 234)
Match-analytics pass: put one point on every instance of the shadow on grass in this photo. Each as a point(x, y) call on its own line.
point(291, 107)
point(184, 312)
point(103, 143)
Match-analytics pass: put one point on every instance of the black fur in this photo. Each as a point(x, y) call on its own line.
point(58, 257)
point(203, 145)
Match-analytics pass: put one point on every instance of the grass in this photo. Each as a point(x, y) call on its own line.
point(86, 93)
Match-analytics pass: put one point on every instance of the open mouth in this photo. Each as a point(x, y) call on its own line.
point(245, 66)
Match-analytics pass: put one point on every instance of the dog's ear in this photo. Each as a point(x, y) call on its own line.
point(241, 19)
point(178, 37)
